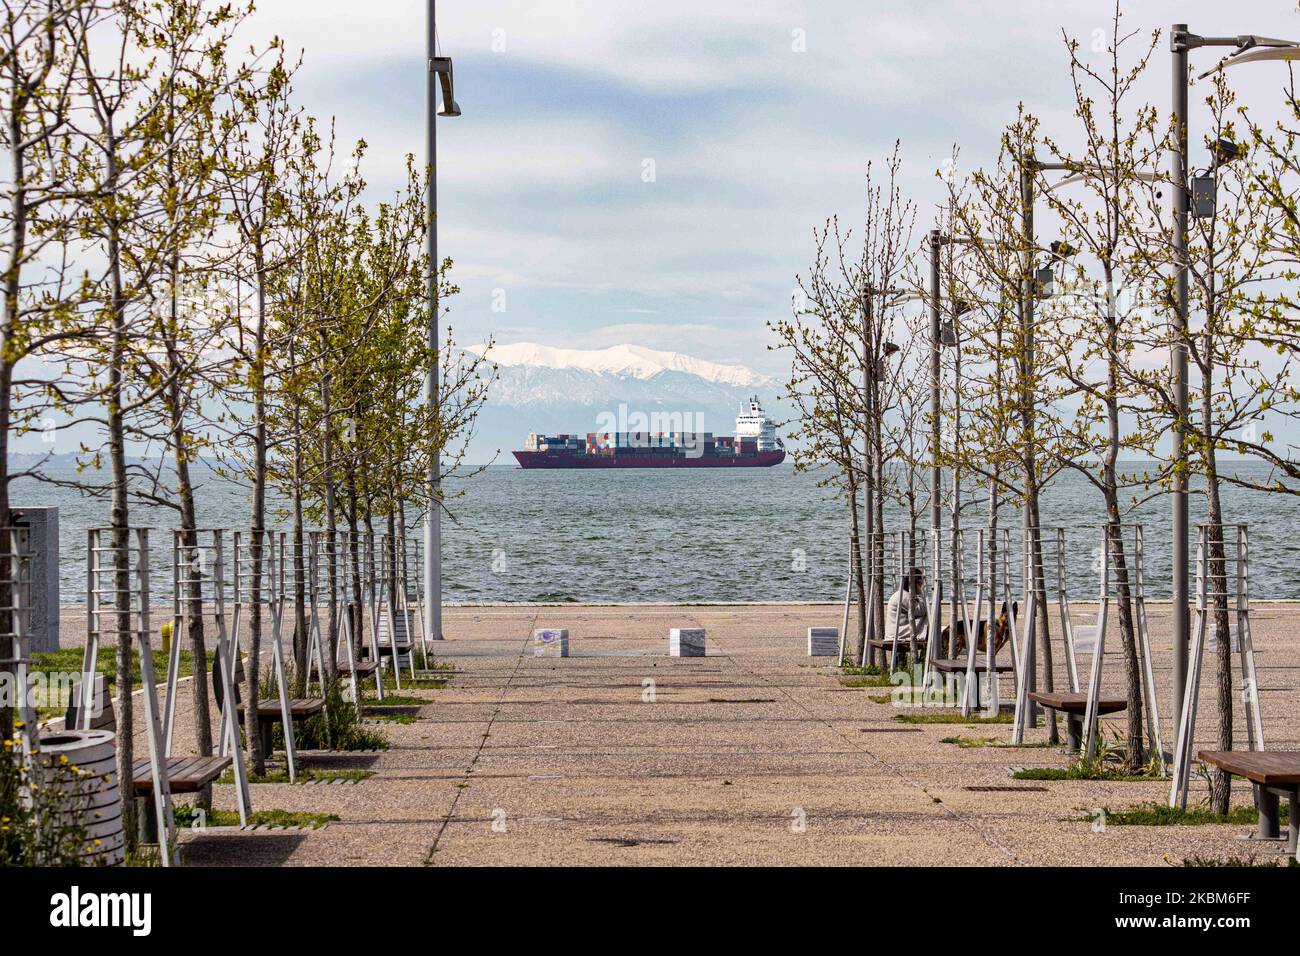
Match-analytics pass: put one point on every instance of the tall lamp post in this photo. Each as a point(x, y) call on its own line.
point(439, 75)
point(937, 240)
point(1249, 49)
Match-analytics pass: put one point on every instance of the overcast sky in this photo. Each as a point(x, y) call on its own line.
point(759, 116)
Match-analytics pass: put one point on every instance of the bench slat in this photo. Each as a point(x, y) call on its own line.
point(184, 774)
point(1272, 768)
point(1076, 702)
point(298, 707)
point(949, 666)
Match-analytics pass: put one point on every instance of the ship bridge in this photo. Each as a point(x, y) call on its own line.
point(753, 423)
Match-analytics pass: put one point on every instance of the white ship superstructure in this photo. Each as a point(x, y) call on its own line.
point(753, 423)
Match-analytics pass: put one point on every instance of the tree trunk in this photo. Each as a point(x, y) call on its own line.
point(1038, 578)
point(193, 622)
point(331, 529)
point(300, 636)
point(1217, 570)
point(1135, 749)
point(856, 551)
point(120, 515)
point(356, 603)
point(252, 724)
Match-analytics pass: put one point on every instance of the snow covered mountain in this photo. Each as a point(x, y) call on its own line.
point(553, 390)
point(623, 360)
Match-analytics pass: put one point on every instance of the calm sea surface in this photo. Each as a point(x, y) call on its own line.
point(707, 535)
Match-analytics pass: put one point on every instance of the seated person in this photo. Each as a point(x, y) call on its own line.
point(915, 616)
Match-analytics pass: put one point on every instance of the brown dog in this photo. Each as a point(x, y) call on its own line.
point(1001, 632)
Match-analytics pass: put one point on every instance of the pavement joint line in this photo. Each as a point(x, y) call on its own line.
point(900, 774)
point(487, 732)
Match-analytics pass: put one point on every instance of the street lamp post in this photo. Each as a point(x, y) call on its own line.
point(438, 74)
point(1249, 49)
point(936, 246)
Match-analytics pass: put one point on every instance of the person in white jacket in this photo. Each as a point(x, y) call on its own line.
point(913, 624)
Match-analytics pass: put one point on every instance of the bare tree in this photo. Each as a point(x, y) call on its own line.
point(841, 345)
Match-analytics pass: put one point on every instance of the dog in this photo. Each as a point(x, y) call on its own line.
point(1001, 631)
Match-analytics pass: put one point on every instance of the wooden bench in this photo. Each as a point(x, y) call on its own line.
point(184, 775)
point(269, 714)
point(958, 666)
point(364, 668)
point(885, 646)
point(1274, 774)
point(981, 666)
point(1074, 704)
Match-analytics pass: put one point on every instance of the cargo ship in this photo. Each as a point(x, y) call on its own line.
point(755, 445)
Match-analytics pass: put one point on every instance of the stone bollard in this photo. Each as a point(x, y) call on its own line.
point(686, 642)
point(823, 641)
point(551, 642)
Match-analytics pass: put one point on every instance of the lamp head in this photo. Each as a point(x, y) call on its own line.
point(442, 66)
point(1062, 249)
point(1226, 150)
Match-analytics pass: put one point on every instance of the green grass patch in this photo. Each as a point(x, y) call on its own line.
point(305, 775)
point(954, 717)
point(1219, 862)
point(1082, 772)
point(970, 743)
point(872, 676)
point(866, 670)
point(337, 727)
point(394, 700)
point(187, 816)
point(68, 660)
point(403, 719)
point(1163, 815)
point(430, 663)
point(147, 856)
point(866, 680)
point(419, 683)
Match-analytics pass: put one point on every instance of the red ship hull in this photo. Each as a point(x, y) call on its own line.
point(577, 459)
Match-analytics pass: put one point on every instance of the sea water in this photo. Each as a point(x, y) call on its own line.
point(698, 535)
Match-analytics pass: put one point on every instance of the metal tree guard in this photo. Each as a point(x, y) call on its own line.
point(105, 599)
point(226, 653)
point(15, 585)
point(258, 558)
point(1213, 586)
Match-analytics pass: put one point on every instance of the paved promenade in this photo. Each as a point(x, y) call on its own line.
point(755, 754)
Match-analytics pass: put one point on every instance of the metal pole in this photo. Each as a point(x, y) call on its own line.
point(1181, 619)
point(936, 246)
point(1028, 361)
point(433, 517)
point(868, 465)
